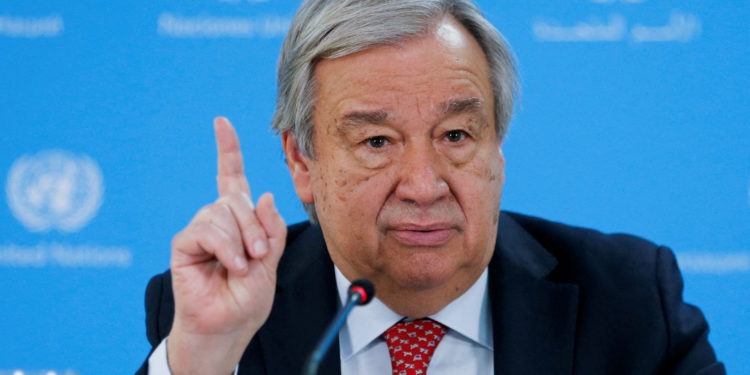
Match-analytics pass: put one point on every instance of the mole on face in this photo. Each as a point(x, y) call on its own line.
point(481, 169)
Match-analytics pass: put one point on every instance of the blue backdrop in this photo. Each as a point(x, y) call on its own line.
point(635, 117)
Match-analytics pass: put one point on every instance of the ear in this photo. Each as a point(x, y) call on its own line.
point(298, 167)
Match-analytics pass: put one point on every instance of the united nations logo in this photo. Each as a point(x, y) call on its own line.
point(54, 189)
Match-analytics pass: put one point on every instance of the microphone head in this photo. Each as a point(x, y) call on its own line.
point(365, 289)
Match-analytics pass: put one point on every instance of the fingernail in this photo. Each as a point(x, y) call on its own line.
point(260, 248)
point(240, 262)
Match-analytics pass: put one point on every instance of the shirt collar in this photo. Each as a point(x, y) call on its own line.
point(468, 316)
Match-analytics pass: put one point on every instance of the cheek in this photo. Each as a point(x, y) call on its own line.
point(487, 171)
point(481, 198)
point(348, 207)
point(348, 194)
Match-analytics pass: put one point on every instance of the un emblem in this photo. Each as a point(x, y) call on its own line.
point(54, 189)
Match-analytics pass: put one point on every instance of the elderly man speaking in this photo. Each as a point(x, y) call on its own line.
point(392, 115)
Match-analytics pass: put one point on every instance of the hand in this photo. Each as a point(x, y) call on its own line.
point(223, 270)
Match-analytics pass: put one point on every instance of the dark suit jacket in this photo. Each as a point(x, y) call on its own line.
point(564, 300)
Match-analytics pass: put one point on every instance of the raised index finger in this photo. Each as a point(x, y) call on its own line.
point(231, 176)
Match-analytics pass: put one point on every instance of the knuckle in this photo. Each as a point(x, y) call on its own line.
point(234, 206)
point(214, 242)
point(224, 237)
point(205, 209)
point(178, 239)
point(223, 243)
point(254, 231)
point(214, 214)
point(202, 229)
point(222, 213)
point(224, 199)
point(232, 233)
point(219, 208)
point(241, 204)
point(228, 203)
point(204, 213)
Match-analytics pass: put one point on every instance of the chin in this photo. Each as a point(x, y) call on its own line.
point(423, 276)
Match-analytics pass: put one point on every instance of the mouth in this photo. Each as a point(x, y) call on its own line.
point(426, 236)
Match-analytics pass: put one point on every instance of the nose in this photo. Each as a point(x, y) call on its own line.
point(421, 181)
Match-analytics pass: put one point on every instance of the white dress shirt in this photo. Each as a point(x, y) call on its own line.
point(465, 349)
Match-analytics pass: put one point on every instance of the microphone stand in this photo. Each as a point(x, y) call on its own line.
point(360, 293)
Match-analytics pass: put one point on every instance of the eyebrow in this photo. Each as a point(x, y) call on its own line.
point(467, 105)
point(365, 117)
point(379, 117)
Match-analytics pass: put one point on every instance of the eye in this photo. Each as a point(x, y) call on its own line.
point(377, 142)
point(455, 136)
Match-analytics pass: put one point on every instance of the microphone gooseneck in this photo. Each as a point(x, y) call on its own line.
point(361, 292)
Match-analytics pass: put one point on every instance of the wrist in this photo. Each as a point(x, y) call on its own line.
point(204, 354)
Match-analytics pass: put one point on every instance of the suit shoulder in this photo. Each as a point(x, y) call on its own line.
point(159, 303)
point(295, 230)
point(629, 288)
point(584, 253)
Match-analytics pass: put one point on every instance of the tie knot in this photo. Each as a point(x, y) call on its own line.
point(411, 345)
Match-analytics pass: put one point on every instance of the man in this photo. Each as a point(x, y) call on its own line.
point(392, 115)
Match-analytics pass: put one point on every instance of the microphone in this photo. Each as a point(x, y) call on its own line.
point(360, 292)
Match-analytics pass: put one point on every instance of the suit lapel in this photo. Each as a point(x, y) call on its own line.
point(534, 319)
point(305, 302)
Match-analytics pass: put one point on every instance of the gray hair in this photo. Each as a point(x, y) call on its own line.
point(328, 29)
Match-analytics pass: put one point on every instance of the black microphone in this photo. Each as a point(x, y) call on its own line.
point(361, 292)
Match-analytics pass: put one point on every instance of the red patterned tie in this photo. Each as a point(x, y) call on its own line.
point(411, 345)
